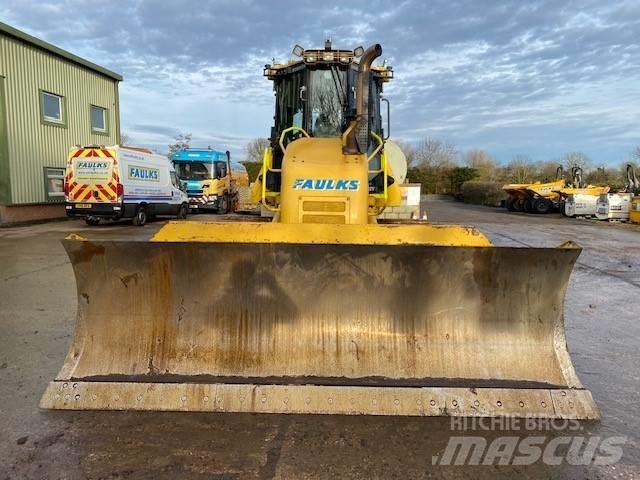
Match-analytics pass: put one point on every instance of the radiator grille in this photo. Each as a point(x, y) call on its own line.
point(321, 209)
point(317, 206)
point(323, 219)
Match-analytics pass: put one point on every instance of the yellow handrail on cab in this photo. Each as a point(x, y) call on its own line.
point(287, 130)
point(384, 167)
point(266, 167)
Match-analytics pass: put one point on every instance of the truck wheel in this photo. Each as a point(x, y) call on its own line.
point(528, 205)
point(183, 211)
point(224, 204)
point(92, 221)
point(140, 218)
point(542, 205)
point(518, 205)
point(509, 204)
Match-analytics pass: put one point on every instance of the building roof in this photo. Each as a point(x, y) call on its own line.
point(36, 42)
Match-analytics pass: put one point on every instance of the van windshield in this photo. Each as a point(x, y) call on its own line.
point(194, 170)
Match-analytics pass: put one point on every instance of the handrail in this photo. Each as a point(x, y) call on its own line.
point(384, 167)
point(266, 167)
point(378, 148)
point(287, 130)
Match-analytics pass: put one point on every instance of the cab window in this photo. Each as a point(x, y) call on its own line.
point(290, 103)
point(328, 93)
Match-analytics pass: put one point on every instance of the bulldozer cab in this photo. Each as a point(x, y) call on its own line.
point(316, 97)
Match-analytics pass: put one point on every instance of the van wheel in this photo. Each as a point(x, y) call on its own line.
point(140, 218)
point(183, 211)
point(92, 221)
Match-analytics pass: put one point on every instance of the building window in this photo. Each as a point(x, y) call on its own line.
point(52, 109)
point(54, 183)
point(99, 120)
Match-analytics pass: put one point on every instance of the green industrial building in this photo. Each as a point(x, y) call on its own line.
point(50, 100)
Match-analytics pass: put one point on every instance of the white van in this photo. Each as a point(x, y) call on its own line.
point(121, 182)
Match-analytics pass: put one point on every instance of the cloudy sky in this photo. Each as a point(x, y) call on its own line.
point(539, 78)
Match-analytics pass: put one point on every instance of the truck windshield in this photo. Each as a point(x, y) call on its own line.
point(194, 170)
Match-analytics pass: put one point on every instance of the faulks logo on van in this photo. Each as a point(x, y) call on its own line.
point(91, 165)
point(144, 173)
point(326, 184)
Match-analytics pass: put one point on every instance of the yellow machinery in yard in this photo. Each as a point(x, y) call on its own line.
point(580, 200)
point(322, 310)
point(535, 197)
point(633, 185)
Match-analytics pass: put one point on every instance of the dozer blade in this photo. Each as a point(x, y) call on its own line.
point(380, 329)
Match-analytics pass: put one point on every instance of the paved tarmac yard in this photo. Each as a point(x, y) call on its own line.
point(37, 313)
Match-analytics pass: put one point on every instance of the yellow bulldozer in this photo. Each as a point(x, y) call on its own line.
point(323, 310)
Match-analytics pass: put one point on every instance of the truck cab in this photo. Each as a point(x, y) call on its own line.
point(207, 177)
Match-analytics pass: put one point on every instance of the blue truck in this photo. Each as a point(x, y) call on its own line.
point(210, 178)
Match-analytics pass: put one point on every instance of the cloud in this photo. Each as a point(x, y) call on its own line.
point(540, 77)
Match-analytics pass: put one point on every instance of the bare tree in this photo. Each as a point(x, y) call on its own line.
point(602, 175)
point(547, 170)
point(521, 169)
point(576, 159)
point(125, 139)
point(255, 149)
point(635, 154)
point(431, 152)
point(408, 150)
point(182, 142)
point(483, 163)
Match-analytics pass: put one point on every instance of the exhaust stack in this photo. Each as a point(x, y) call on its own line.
point(357, 135)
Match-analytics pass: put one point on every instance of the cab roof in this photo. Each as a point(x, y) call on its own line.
point(198, 155)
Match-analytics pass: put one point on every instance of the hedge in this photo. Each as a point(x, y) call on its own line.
point(483, 193)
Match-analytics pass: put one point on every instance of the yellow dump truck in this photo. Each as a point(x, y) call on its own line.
point(323, 309)
point(535, 197)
